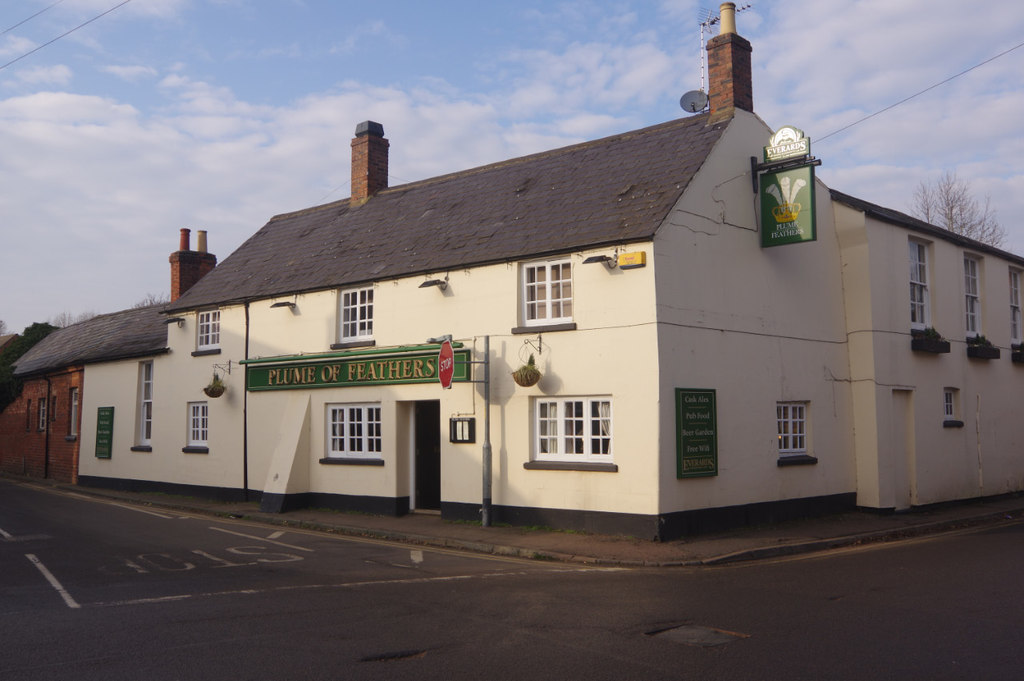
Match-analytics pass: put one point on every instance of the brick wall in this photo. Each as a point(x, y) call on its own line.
point(369, 161)
point(51, 452)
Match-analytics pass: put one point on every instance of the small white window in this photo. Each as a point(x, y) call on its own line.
point(144, 428)
point(198, 424)
point(919, 303)
point(949, 404)
point(356, 314)
point(1016, 335)
point(42, 414)
point(208, 337)
point(972, 296)
point(791, 423)
point(547, 292)
point(573, 429)
point(353, 430)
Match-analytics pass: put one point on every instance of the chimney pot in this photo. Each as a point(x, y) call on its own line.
point(201, 241)
point(183, 242)
point(727, 18)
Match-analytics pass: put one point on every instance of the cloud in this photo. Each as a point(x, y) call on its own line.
point(45, 75)
point(131, 74)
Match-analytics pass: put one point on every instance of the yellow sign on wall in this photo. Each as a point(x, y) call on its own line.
point(628, 261)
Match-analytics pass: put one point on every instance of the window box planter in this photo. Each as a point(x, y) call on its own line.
point(928, 340)
point(979, 347)
point(983, 352)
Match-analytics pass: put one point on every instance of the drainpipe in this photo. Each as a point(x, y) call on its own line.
point(46, 431)
point(486, 508)
point(245, 411)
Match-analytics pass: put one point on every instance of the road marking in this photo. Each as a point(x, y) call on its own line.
point(275, 535)
point(5, 535)
point(53, 581)
point(416, 556)
point(266, 539)
point(345, 585)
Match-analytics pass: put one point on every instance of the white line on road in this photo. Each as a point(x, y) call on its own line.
point(5, 535)
point(53, 581)
point(349, 585)
point(266, 539)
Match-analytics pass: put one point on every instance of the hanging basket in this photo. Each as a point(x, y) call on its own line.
point(216, 387)
point(527, 375)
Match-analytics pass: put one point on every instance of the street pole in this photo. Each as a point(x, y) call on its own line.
point(486, 508)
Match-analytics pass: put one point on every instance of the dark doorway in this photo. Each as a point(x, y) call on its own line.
point(428, 455)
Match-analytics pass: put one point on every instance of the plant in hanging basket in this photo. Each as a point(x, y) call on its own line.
point(527, 375)
point(216, 387)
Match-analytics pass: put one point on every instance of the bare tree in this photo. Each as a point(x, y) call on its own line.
point(65, 319)
point(948, 203)
point(152, 299)
point(3, 328)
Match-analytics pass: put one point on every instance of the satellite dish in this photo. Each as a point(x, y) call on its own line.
point(694, 101)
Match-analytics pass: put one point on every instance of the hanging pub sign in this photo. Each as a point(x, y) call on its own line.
point(787, 207)
point(786, 189)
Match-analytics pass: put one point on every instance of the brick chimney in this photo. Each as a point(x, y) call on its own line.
point(369, 162)
point(188, 266)
point(730, 86)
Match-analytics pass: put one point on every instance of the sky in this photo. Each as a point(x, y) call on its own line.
point(219, 114)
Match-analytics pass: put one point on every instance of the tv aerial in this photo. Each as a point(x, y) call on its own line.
point(696, 101)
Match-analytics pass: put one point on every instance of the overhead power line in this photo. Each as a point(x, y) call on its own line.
point(931, 87)
point(62, 35)
point(23, 21)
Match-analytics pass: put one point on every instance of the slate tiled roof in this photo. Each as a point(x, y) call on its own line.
point(120, 335)
point(609, 191)
point(902, 219)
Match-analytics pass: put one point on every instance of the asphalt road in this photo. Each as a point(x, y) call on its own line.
point(96, 590)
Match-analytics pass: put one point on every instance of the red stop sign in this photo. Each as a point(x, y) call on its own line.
point(446, 364)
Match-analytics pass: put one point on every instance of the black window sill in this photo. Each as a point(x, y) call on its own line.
point(142, 448)
point(196, 450)
point(348, 345)
point(544, 328)
point(951, 423)
point(798, 460)
point(70, 438)
point(204, 353)
point(570, 466)
point(351, 461)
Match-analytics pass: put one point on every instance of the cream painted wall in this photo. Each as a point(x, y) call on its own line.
point(756, 325)
point(611, 353)
point(982, 457)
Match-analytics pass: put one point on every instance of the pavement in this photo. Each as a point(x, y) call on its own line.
point(429, 530)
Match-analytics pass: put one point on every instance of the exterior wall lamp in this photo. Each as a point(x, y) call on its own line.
point(609, 261)
point(175, 320)
point(439, 283)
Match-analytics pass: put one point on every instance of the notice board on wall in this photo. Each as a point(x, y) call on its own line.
point(104, 432)
point(696, 433)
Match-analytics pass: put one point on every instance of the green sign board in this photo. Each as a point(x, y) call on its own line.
point(787, 206)
point(696, 434)
point(391, 369)
point(104, 432)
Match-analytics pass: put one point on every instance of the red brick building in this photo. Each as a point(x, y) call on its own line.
point(40, 431)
